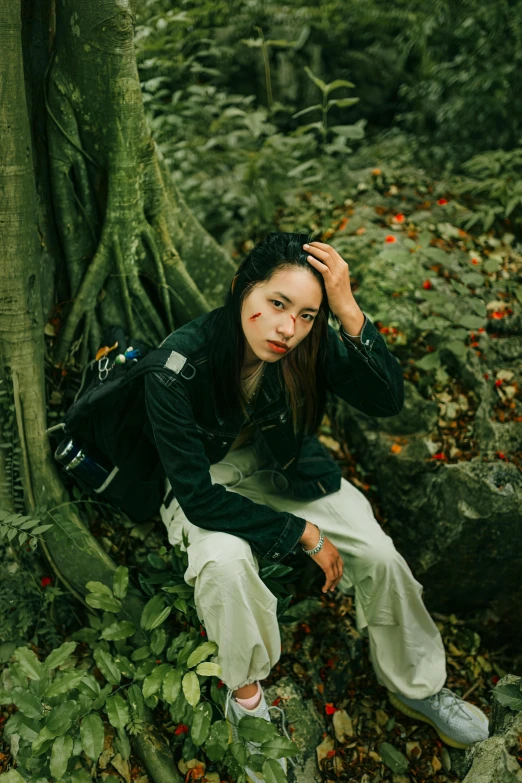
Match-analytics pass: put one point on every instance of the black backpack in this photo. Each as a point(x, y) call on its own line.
point(107, 449)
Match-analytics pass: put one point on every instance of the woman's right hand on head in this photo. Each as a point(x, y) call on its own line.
point(328, 557)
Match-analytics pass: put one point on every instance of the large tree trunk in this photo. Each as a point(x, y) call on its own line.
point(122, 223)
point(103, 226)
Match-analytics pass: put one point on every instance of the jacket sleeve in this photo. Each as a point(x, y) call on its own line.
point(272, 534)
point(364, 373)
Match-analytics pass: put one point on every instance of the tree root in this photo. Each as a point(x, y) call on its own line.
point(89, 289)
point(156, 755)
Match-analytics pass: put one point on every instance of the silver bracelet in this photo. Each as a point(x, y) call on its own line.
point(317, 548)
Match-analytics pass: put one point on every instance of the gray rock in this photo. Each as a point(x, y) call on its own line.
point(308, 727)
point(492, 761)
point(458, 524)
point(460, 518)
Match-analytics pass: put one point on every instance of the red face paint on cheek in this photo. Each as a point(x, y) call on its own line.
point(253, 317)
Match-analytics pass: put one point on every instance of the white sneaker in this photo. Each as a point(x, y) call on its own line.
point(458, 723)
point(233, 713)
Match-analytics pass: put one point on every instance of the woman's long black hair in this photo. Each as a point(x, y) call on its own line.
point(303, 368)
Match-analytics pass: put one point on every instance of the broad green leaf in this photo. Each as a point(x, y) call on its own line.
point(29, 663)
point(60, 719)
point(60, 655)
point(238, 751)
point(11, 776)
point(185, 652)
point(184, 590)
point(6, 651)
point(89, 687)
point(99, 702)
point(343, 103)
point(154, 681)
point(492, 265)
point(42, 741)
point(108, 666)
point(201, 723)
point(393, 758)
point(191, 691)
point(471, 321)
point(28, 704)
point(338, 83)
point(217, 742)
point(479, 306)
point(474, 279)
point(99, 587)
point(135, 699)
point(122, 744)
point(273, 772)
point(119, 630)
point(256, 729)
point(279, 747)
point(305, 128)
point(509, 695)
point(354, 131)
point(141, 653)
point(117, 711)
point(102, 601)
point(457, 347)
point(120, 582)
point(40, 529)
point(429, 361)
point(63, 683)
point(154, 613)
point(60, 755)
point(200, 653)
point(172, 685)
point(93, 735)
point(80, 776)
point(158, 640)
point(256, 761)
point(27, 728)
point(209, 669)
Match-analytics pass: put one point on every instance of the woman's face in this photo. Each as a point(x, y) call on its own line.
point(278, 314)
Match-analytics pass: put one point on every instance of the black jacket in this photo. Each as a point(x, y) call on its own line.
point(190, 436)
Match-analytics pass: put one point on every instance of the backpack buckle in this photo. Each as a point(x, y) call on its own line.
point(176, 363)
point(103, 372)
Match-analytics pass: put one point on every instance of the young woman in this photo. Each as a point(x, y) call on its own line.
point(248, 479)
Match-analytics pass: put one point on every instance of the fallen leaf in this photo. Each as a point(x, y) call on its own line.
point(435, 763)
point(393, 758)
point(122, 766)
point(381, 717)
point(323, 749)
point(343, 726)
point(413, 750)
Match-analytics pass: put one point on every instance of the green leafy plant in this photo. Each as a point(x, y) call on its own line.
point(124, 669)
point(341, 132)
point(495, 188)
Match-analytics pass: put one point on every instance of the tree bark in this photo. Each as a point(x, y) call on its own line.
point(104, 226)
point(123, 225)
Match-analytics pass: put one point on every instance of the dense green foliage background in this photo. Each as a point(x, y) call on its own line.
point(434, 82)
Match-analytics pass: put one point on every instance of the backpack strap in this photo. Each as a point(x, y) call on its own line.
point(163, 360)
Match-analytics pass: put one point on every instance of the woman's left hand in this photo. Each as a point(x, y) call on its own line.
point(336, 275)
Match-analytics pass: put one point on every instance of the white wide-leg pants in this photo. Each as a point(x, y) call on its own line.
point(239, 611)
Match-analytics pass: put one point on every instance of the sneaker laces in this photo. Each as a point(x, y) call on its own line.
point(449, 700)
point(273, 707)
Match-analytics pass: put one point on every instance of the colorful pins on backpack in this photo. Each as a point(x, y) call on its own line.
point(101, 352)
